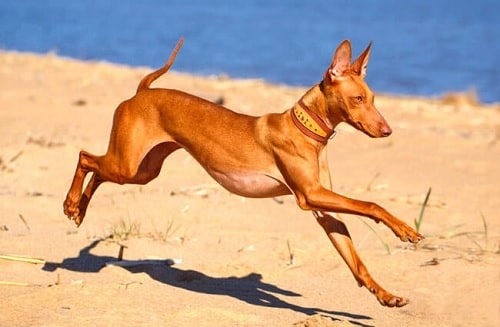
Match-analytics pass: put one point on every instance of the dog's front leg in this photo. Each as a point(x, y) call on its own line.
point(338, 234)
point(321, 199)
point(310, 182)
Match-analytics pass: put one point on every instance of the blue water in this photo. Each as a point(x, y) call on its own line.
point(419, 47)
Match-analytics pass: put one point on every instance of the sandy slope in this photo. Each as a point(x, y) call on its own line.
point(235, 254)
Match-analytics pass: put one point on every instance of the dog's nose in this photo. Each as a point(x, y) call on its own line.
point(386, 131)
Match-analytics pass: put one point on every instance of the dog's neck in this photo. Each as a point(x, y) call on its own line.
point(309, 122)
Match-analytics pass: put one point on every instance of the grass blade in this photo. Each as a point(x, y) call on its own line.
point(418, 223)
point(384, 243)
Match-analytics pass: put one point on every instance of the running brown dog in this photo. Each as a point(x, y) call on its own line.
point(268, 156)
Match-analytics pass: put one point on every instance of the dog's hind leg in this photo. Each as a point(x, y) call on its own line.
point(73, 203)
point(109, 170)
point(92, 186)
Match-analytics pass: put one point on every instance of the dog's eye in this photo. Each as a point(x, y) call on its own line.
point(358, 99)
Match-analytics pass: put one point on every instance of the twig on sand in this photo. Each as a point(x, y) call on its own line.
point(25, 222)
point(7, 283)
point(21, 258)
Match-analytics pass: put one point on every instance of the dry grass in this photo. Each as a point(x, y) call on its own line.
point(469, 98)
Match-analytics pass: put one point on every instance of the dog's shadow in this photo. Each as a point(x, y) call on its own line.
point(250, 289)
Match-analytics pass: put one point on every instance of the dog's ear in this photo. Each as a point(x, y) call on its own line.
point(360, 64)
point(340, 62)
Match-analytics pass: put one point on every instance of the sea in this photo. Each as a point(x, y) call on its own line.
point(420, 48)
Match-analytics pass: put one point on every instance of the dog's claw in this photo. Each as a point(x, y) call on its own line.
point(415, 239)
point(391, 301)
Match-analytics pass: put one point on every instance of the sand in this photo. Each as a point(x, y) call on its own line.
point(237, 261)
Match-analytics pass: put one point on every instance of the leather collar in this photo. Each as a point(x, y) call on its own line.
point(310, 123)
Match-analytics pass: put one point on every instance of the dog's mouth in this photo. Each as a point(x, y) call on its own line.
point(359, 126)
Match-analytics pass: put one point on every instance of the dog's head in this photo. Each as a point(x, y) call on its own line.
point(348, 97)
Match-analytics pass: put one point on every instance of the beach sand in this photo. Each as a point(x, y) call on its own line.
point(239, 262)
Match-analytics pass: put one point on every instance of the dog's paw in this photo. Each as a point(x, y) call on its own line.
point(71, 209)
point(394, 301)
point(388, 300)
point(413, 237)
point(408, 234)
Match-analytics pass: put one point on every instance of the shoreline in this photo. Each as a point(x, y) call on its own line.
point(468, 97)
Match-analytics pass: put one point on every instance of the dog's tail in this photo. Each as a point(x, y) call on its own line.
point(148, 79)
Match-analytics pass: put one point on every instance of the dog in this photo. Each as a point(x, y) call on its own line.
point(259, 157)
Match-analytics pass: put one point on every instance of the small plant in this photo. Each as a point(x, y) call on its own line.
point(467, 253)
point(124, 230)
point(418, 222)
point(485, 247)
point(163, 236)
